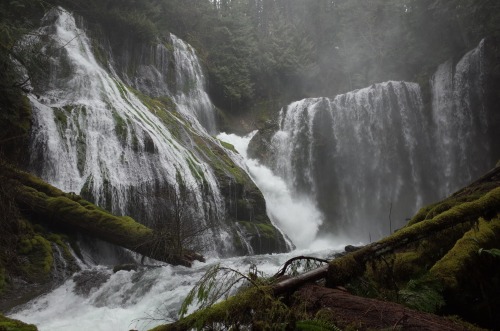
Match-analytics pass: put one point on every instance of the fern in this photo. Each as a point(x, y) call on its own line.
point(495, 252)
point(217, 283)
point(422, 295)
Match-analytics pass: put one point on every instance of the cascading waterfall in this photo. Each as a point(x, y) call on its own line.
point(94, 137)
point(190, 81)
point(357, 155)
point(461, 119)
point(370, 158)
point(297, 217)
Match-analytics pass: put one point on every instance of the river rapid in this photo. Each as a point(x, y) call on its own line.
point(95, 298)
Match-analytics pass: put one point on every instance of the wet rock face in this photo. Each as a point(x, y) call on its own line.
point(261, 146)
point(88, 280)
point(132, 133)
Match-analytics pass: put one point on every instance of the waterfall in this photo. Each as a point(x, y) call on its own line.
point(297, 217)
point(372, 157)
point(93, 136)
point(357, 155)
point(190, 81)
point(461, 119)
point(169, 69)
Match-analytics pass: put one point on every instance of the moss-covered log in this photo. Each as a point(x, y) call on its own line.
point(245, 308)
point(343, 269)
point(470, 272)
point(69, 211)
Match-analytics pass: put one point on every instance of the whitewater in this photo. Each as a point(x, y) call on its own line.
point(95, 298)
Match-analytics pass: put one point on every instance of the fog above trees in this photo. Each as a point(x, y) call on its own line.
point(255, 50)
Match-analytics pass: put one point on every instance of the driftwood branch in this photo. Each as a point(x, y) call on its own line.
point(291, 284)
point(288, 263)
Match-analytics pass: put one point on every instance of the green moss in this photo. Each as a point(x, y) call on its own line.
point(343, 269)
point(221, 162)
point(165, 109)
point(60, 240)
point(259, 229)
point(38, 251)
point(72, 208)
point(35, 184)
point(406, 264)
point(253, 306)
point(121, 127)
point(452, 268)
point(7, 324)
point(266, 230)
point(25, 246)
point(436, 209)
point(196, 170)
point(99, 52)
point(436, 233)
point(61, 117)
point(228, 146)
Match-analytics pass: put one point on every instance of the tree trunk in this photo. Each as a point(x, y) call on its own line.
point(291, 284)
point(347, 310)
point(47, 204)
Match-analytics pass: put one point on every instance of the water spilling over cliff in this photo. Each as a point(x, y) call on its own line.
point(370, 158)
point(461, 118)
point(142, 152)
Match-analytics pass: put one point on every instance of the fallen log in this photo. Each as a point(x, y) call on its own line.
point(340, 270)
point(291, 284)
point(346, 310)
point(343, 269)
point(349, 266)
point(49, 205)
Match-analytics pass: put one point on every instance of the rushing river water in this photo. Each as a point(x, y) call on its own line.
point(98, 299)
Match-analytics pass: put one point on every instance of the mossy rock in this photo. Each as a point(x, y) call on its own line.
point(234, 182)
point(39, 252)
point(264, 238)
point(8, 324)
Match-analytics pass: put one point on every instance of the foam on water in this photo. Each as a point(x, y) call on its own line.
point(295, 214)
point(136, 300)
